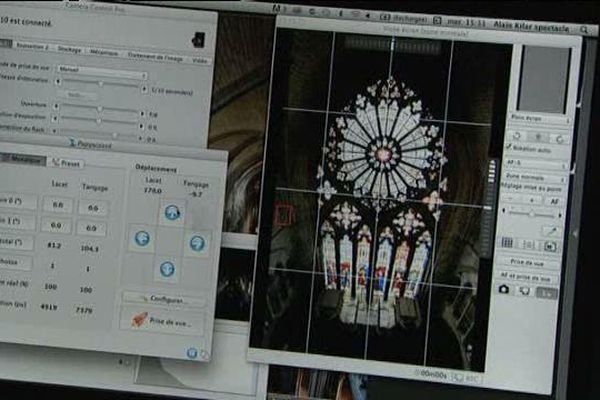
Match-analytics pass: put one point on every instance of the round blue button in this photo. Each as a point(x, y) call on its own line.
point(167, 269)
point(192, 352)
point(142, 238)
point(197, 243)
point(172, 212)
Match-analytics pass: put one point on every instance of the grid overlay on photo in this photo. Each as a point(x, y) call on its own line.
point(435, 206)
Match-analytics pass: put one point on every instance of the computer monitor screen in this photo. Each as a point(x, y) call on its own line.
point(402, 195)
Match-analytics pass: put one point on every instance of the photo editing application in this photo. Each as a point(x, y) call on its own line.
point(380, 168)
point(380, 203)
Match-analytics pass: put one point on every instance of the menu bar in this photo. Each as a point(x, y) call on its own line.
point(401, 17)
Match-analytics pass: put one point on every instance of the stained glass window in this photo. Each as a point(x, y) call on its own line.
point(385, 152)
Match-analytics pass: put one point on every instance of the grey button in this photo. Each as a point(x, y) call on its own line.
point(6, 43)
point(538, 137)
point(546, 293)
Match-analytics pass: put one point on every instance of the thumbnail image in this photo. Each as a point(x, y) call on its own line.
point(234, 290)
point(286, 383)
point(378, 151)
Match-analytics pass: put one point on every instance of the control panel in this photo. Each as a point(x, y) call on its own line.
point(122, 248)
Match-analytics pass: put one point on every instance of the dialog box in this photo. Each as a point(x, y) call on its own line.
point(113, 252)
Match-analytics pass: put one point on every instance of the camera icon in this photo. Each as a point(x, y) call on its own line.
point(198, 40)
point(550, 246)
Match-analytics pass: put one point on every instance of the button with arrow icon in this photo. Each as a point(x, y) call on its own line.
point(171, 212)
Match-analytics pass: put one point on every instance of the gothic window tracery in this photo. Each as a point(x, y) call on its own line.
point(383, 158)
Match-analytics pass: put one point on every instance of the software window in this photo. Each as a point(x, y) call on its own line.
point(110, 251)
point(147, 79)
point(414, 197)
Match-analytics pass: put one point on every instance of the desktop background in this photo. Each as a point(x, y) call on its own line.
point(238, 111)
point(238, 120)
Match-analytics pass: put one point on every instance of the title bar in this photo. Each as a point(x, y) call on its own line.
point(148, 29)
